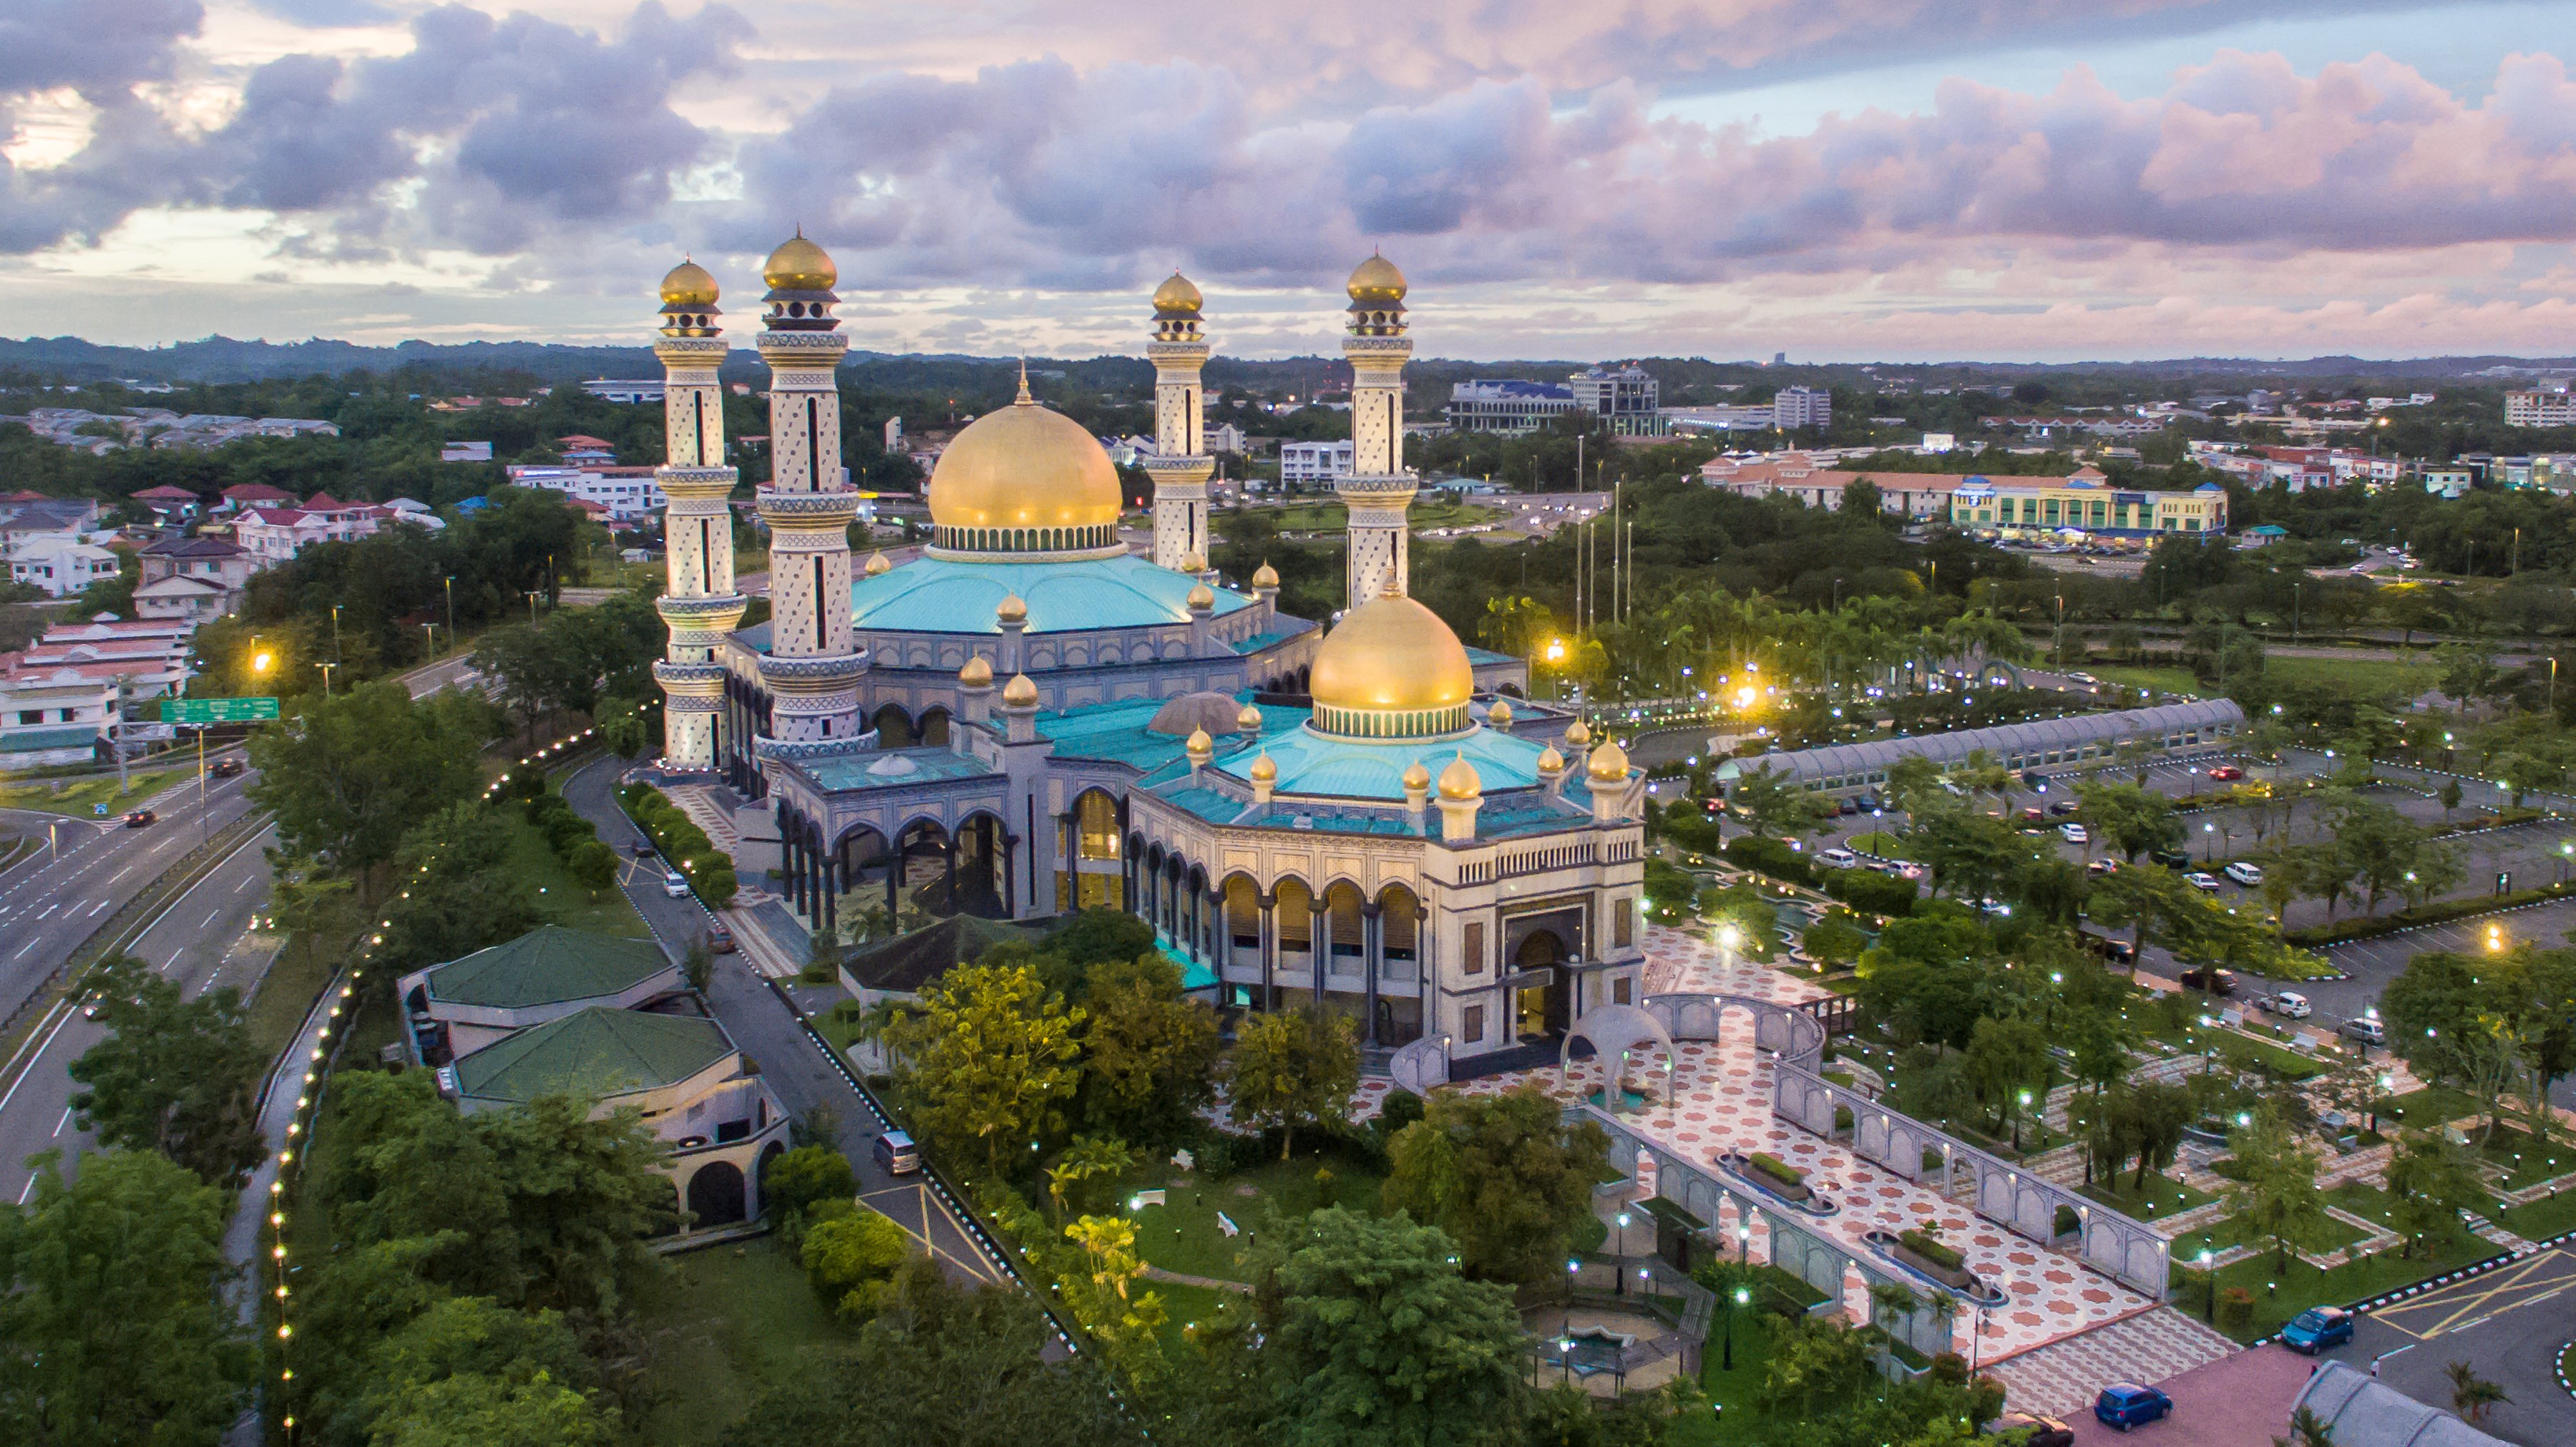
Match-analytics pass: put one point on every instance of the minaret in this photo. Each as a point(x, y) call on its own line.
point(1379, 489)
point(812, 668)
point(1180, 465)
point(698, 605)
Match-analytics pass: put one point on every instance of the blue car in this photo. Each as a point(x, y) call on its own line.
point(2317, 1328)
point(2125, 1404)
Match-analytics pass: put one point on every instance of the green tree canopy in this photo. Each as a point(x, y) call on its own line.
point(1291, 1068)
point(1502, 1175)
point(990, 1057)
point(174, 1075)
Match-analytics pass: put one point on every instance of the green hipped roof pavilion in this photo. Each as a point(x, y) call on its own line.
point(593, 1054)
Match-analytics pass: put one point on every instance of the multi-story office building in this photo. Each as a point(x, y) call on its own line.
point(1795, 407)
point(2539, 408)
point(1623, 397)
point(2085, 502)
point(1508, 406)
point(1314, 463)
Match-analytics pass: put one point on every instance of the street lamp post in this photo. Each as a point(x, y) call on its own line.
point(2209, 1313)
point(451, 610)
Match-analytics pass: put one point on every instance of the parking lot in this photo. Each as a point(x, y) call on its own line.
point(2508, 1323)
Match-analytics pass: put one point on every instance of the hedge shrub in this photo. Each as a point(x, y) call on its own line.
point(1932, 1250)
point(1869, 891)
point(1778, 1169)
point(709, 870)
point(1771, 857)
point(2365, 927)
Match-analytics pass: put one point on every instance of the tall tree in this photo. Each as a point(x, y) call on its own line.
point(355, 770)
point(174, 1075)
point(1378, 1338)
point(1502, 1175)
point(2277, 1199)
point(1772, 805)
point(112, 1329)
point(1291, 1068)
point(2431, 1180)
point(1149, 1052)
point(991, 1057)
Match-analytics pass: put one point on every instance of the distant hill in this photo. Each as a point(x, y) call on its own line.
point(224, 359)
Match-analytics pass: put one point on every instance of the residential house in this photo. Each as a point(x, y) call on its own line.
point(628, 494)
point(254, 494)
point(583, 450)
point(60, 565)
point(191, 578)
point(465, 452)
point(58, 695)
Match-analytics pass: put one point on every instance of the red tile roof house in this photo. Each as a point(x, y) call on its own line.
point(1918, 496)
point(256, 494)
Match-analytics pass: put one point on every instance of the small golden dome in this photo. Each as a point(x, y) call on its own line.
point(1019, 692)
point(1376, 280)
point(1024, 466)
point(1609, 764)
point(1265, 576)
point(1177, 297)
point(1200, 599)
point(1416, 778)
point(1249, 719)
point(1200, 745)
point(799, 265)
point(977, 673)
point(1012, 609)
point(1500, 715)
point(1263, 770)
point(1577, 734)
point(1550, 761)
point(689, 284)
point(1391, 653)
point(1459, 781)
point(1195, 562)
point(877, 563)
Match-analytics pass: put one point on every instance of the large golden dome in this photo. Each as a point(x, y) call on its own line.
point(1177, 297)
point(1377, 280)
point(689, 284)
point(1392, 669)
point(799, 265)
point(1023, 467)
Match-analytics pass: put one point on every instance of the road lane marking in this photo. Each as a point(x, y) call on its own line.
point(210, 917)
point(129, 869)
point(102, 904)
point(29, 1190)
point(2534, 1279)
point(49, 909)
point(22, 949)
point(66, 1120)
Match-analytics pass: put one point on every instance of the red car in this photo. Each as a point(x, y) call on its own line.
point(2225, 772)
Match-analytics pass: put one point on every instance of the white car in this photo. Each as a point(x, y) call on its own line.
point(2202, 880)
point(1838, 858)
point(676, 885)
point(2245, 874)
point(2290, 1004)
point(2086, 679)
point(2074, 834)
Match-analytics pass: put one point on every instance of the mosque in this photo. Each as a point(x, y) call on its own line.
point(1029, 718)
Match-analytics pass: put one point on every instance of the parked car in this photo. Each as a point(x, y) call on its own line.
point(2243, 873)
point(1838, 858)
point(2317, 1328)
point(1847, 807)
point(1909, 871)
point(2086, 679)
point(1872, 803)
point(643, 848)
point(2037, 1431)
point(2099, 867)
point(2126, 1404)
point(2170, 858)
point(2289, 1005)
point(2226, 773)
point(719, 939)
point(2064, 807)
point(676, 885)
point(224, 768)
point(896, 1153)
point(2034, 816)
point(2074, 834)
point(141, 817)
point(2367, 1030)
point(2209, 980)
point(2202, 880)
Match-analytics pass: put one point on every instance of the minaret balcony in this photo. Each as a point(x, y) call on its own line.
point(801, 349)
point(1388, 486)
point(808, 509)
point(690, 678)
point(706, 352)
point(813, 675)
point(704, 611)
point(1186, 467)
point(680, 479)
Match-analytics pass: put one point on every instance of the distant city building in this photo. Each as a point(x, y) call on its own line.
point(1622, 397)
point(1720, 417)
point(60, 565)
point(58, 696)
point(466, 452)
point(1798, 476)
point(581, 449)
point(2085, 502)
point(1314, 462)
point(2447, 482)
point(628, 493)
point(1940, 441)
point(639, 390)
point(1795, 407)
point(894, 434)
point(191, 578)
point(1223, 437)
point(1507, 406)
point(2539, 408)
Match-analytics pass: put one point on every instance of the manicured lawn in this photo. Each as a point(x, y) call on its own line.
point(2424, 1109)
point(2327, 1235)
point(1732, 1392)
point(563, 902)
point(2525, 1161)
point(2368, 1202)
point(80, 797)
point(2303, 1286)
point(725, 1323)
point(2250, 1055)
point(1183, 1234)
point(1187, 1306)
point(277, 1008)
point(2542, 1219)
point(2163, 1196)
point(2170, 680)
point(2355, 677)
point(1879, 842)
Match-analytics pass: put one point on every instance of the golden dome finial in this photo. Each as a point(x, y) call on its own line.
point(1248, 718)
point(1265, 576)
point(1201, 748)
point(799, 265)
point(1392, 587)
point(1201, 599)
point(1417, 779)
point(1194, 562)
point(1500, 715)
point(1550, 762)
point(977, 673)
point(1263, 769)
point(1609, 764)
point(1176, 297)
point(1376, 281)
point(1459, 780)
point(1024, 399)
point(1012, 609)
point(1577, 734)
point(1019, 692)
point(689, 284)
point(877, 563)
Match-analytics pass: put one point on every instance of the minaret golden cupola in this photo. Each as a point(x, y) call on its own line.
point(698, 604)
point(814, 663)
point(1378, 490)
point(1180, 465)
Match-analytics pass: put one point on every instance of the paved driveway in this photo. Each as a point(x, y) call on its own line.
point(2508, 1324)
point(2238, 1401)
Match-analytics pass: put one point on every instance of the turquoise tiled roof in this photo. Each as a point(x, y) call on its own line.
point(937, 595)
point(1374, 769)
point(884, 768)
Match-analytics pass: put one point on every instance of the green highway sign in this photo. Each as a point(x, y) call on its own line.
point(218, 710)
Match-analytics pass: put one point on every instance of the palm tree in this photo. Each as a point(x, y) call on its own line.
point(2307, 1429)
point(880, 1025)
point(2471, 1394)
point(1891, 1302)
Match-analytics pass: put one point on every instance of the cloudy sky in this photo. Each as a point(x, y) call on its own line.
point(1839, 179)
